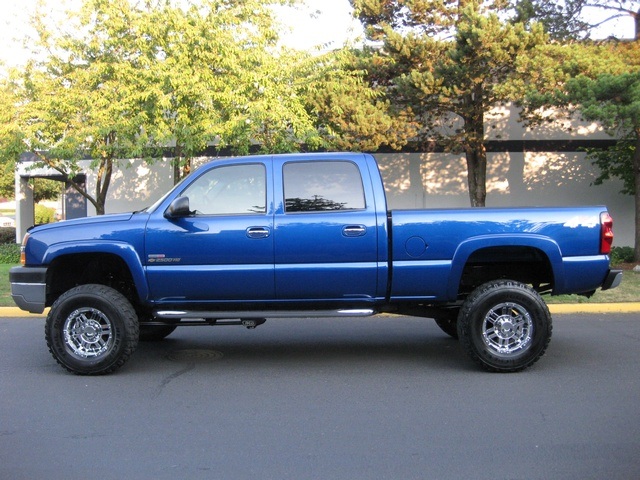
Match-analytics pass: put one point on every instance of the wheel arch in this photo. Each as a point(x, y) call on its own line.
point(482, 259)
point(115, 264)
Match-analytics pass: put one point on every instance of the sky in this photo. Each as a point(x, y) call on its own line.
point(316, 23)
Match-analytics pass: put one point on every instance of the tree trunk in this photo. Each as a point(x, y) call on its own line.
point(103, 181)
point(475, 151)
point(181, 165)
point(177, 153)
point(176, 169)
point(477, 174)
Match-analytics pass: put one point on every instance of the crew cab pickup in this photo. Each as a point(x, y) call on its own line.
point(306, 235)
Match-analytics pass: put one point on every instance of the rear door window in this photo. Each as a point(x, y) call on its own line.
point(322, 186)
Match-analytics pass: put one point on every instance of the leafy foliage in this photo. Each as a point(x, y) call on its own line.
point(448, 64)
point(621, 255)
point(7, 235)
point(601, 83)
point(575, 19)
point(44, 214)
point(10, 253)
point(616, 162)
point(219, 77)
point(614, 101)
point(350, 114)
point(124, 80)
point(9, 250)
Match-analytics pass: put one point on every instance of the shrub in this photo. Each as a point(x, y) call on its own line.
point(7, 235)
point(621, 255)
point(10, 253)
point(44, 214)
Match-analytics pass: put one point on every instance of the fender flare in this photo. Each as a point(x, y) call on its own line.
point(122, 250)
point(468, 247)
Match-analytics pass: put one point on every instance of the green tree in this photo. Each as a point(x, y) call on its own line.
point(598, 82)
point(219, 77)
point(561, 20)
point(11, 145)
point(126, 80)
point(86, 97)
point(350, 114)
point(449, 63)
point(270, 106)
point(575, 19)
point(614, 102)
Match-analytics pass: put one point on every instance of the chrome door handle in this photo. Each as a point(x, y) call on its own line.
point(258, 232)
point(354, 230)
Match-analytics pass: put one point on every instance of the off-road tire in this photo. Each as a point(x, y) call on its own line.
point(504, 326)
point(92, 330)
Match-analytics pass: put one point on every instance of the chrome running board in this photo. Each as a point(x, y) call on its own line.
point(226, 315)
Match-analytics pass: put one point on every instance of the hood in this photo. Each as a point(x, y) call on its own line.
point(99, 219)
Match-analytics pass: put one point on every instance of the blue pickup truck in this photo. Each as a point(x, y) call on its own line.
point(306, 235)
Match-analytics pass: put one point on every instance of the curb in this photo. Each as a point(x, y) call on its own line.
point(14, 312)
point(569, 308)
point(595, 308)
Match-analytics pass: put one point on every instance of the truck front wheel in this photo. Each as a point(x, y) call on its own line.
point(504, 326)
point(92, 330)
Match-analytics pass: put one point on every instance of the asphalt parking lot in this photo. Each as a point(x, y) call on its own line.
point(378, 398)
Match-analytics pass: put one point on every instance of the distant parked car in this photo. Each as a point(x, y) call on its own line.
point(7, 222)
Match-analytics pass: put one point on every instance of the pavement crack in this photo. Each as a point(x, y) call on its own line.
point(169, 378)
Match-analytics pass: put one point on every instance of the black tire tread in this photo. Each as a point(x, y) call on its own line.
point(470, 307)
point(117, 301)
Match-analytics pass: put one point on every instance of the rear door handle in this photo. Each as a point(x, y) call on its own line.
point(258, 232)
point(354, 230)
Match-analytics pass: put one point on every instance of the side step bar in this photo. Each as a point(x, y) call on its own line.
point(227, 315)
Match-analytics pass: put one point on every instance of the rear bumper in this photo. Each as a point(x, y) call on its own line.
point(29, 288)
point(613, 279)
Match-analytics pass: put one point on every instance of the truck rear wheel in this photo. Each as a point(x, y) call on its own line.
point(504, 326)
point(92, 330)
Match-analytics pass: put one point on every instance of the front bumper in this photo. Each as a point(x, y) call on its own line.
point(29, 288)
point(614, 277)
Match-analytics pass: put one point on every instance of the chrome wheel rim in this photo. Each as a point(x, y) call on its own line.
point(507, 329)
point(88, 333)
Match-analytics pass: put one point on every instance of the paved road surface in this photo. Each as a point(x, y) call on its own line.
point(380, 398)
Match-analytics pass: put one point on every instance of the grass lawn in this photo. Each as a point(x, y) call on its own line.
point(5, 288)
point(628, 291)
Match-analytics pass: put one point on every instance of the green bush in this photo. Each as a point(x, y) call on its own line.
point(10, 253)
point(621, 255)
point(7, 235)
point(44, 214)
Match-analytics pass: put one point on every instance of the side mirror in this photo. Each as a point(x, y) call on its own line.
point(178, 208)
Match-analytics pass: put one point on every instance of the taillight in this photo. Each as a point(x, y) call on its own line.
point(606, 233)
point(23, 247)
